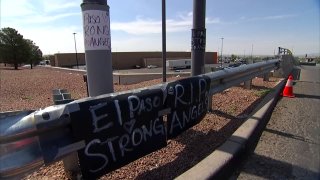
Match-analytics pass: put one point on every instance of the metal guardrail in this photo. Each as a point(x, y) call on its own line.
point(284, 51)
point(30, 139)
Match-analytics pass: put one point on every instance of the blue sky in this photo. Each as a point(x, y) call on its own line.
point(136, 25)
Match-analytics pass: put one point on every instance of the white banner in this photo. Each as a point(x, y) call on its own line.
point(96, 30)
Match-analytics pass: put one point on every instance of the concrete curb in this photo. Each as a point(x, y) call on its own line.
point(224, 160)
point(128, 78)
point(66, 69)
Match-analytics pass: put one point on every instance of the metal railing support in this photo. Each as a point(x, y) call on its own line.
point(247, 84)
point(266, 77)
point(85, 79)
point(210, 103)
point(71, 165)
point(71, 161)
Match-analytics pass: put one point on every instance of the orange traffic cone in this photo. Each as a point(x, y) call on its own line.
point(288, 89)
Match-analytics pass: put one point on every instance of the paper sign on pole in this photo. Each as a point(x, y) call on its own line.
point(96, 30)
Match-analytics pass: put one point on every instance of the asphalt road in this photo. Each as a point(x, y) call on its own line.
point(289, 147)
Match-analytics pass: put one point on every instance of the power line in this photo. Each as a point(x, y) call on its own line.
point(221, 49)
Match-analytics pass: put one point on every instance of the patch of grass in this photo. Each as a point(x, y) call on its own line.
point(232, 110)
point(263, 92)
point(27, 98)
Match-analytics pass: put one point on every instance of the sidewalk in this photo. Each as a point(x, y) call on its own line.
point(289, 147)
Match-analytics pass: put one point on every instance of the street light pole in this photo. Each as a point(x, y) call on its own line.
point(164, 51)
point(251, 54)
point(221, 49)
point(198, 37)
point(75, 47)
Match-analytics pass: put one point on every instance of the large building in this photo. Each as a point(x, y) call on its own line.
point(129, 60)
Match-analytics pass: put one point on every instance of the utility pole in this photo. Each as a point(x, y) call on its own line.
point(251, 54)
point(97, 44)
point(198, 38)
point(75, 47)
point(164, 51)
point(221, 49)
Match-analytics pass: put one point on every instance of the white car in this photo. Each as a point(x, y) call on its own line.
point(151, 66)
point(44, 62)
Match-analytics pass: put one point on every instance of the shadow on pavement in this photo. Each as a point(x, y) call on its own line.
point(306, 96)
point(300, 138)
point(268, 168)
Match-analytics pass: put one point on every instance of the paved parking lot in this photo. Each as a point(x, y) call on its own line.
point(159, 69)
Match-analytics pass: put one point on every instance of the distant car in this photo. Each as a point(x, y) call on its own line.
point(44, 62)
point(234, 65)
point(137, 67)
point(219, 68)
point(26, 66)
point(243, 61)
point(152, 66)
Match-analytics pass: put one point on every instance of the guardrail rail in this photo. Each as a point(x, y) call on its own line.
point(111, 130)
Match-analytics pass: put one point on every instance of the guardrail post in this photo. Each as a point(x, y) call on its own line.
point(266, 76)
point(247, 84)
point(85, 79)
point(210, 103)
point(70, 162)
point(71, 165)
